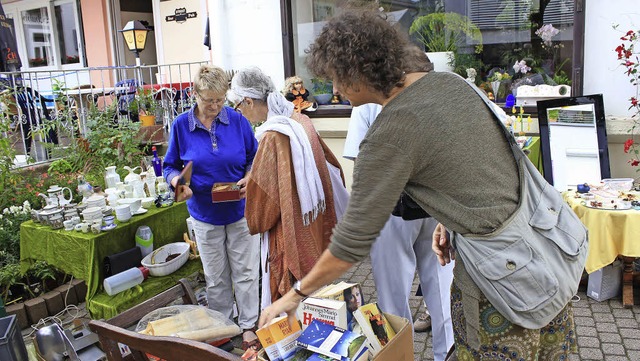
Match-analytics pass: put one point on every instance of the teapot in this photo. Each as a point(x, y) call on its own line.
point(57, 193)
point(49, 202)
point(132, 176)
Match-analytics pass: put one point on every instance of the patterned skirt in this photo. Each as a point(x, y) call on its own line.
point(505, 341)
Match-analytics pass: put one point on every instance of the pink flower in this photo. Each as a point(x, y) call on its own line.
point(546, 32)
point(521, 67)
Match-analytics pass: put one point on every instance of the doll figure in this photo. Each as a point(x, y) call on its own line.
point(296, 93)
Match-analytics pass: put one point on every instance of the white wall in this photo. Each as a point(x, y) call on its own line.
point(181, 42)
point(247, 33)
point(602, 72)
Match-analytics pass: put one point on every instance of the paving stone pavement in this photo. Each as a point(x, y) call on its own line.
point(606, 330)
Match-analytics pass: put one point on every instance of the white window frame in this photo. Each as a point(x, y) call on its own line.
point(14, 11)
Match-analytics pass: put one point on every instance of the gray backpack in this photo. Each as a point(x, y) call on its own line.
point(530, 267)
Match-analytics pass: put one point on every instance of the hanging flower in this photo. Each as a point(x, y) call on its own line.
point(546, 32)
point(628, 57)
point(627, 145)
point(521, 67)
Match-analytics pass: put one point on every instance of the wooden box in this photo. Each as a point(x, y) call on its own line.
point(225, 192)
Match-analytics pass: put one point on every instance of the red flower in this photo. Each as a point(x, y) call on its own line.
point(634, 101)
point(627, 145)
point(635, 162)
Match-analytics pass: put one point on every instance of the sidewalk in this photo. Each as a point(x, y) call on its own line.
point(606, 330)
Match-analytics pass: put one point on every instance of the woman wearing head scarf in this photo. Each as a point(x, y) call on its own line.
point(221, 144)
point(290, 190)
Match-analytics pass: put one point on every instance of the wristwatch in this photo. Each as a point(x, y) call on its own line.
point(296, 288)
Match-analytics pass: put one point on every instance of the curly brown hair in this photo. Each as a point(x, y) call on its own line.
point(360, 47)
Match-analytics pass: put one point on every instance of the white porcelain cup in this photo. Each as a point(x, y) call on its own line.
point(84, 227)
point(68, 225)
point(96, 228)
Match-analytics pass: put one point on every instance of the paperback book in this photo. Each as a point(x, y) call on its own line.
point(350, 293)
point(326, 310)
point(334, 342)
point(374, 326)
point(279, 339)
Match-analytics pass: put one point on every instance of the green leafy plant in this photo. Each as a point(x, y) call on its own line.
point(442, 31)
point(144, 102)
point(321, 86)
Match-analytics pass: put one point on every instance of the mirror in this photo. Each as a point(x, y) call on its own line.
point(573, 140)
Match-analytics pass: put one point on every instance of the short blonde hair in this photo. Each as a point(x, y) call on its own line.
point(289, 83)
point(212, 78)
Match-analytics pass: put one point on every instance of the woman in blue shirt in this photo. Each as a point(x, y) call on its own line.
point(221, 144)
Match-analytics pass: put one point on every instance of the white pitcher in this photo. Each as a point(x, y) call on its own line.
point(111, 177)
point(57, 192)
point(132, 176)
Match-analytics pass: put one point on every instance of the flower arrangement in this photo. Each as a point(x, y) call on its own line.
point(499, 76)
point(628, 57)
point(37, 62)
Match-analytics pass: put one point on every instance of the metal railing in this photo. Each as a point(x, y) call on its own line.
point(46, 108)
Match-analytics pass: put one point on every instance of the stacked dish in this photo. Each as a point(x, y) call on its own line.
point(123, 213)
point(96, 201)
point(92, 213)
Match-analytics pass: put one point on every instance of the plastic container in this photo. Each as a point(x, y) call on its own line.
point(144, 240)
point(125, 280)
point(12, 346)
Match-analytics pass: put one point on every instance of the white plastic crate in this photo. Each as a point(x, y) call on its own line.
point(606, 282)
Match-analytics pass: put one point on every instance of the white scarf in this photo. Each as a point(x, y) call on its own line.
point(308, 183)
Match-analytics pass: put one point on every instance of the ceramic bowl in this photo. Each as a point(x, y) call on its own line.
point(148, 202)
point(155, 261)
point(134, 203)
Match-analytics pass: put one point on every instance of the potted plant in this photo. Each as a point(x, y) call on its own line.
point(145, 105)
point(322, 90)
point(442, 33)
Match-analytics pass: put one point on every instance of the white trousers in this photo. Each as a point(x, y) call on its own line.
point(231, 260)
point(402, 247)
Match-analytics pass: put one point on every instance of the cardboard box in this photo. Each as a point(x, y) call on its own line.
point(400, 348)
point(225, 192)
point(606, 282)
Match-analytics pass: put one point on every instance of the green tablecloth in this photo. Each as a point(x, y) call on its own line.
point(103, 306)
point(534, 153)
point(82, 254)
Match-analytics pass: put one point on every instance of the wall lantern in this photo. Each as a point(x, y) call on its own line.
point(135, 36)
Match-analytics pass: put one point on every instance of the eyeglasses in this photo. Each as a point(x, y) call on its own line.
point(218, 101)
point(238, 105)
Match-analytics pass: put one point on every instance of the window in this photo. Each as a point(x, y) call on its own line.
point(50, 34)
point(515, 42)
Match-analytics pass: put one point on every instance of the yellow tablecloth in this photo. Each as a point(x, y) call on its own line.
point(82, 254)
point(611, 232)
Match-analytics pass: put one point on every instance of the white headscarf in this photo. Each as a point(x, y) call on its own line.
point(253, 83)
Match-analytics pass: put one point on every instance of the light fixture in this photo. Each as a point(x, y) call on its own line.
point(135, 36)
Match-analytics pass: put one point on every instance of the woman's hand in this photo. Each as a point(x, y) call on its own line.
point(242, 183)
point(287, 303)
point(183, 190)
point(441, 245)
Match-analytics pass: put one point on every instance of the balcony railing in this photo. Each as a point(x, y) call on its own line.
point(46, 108)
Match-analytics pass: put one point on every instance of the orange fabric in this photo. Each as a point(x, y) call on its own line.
point(273, 205)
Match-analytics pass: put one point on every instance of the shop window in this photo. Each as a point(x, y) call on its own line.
point(514, 42)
